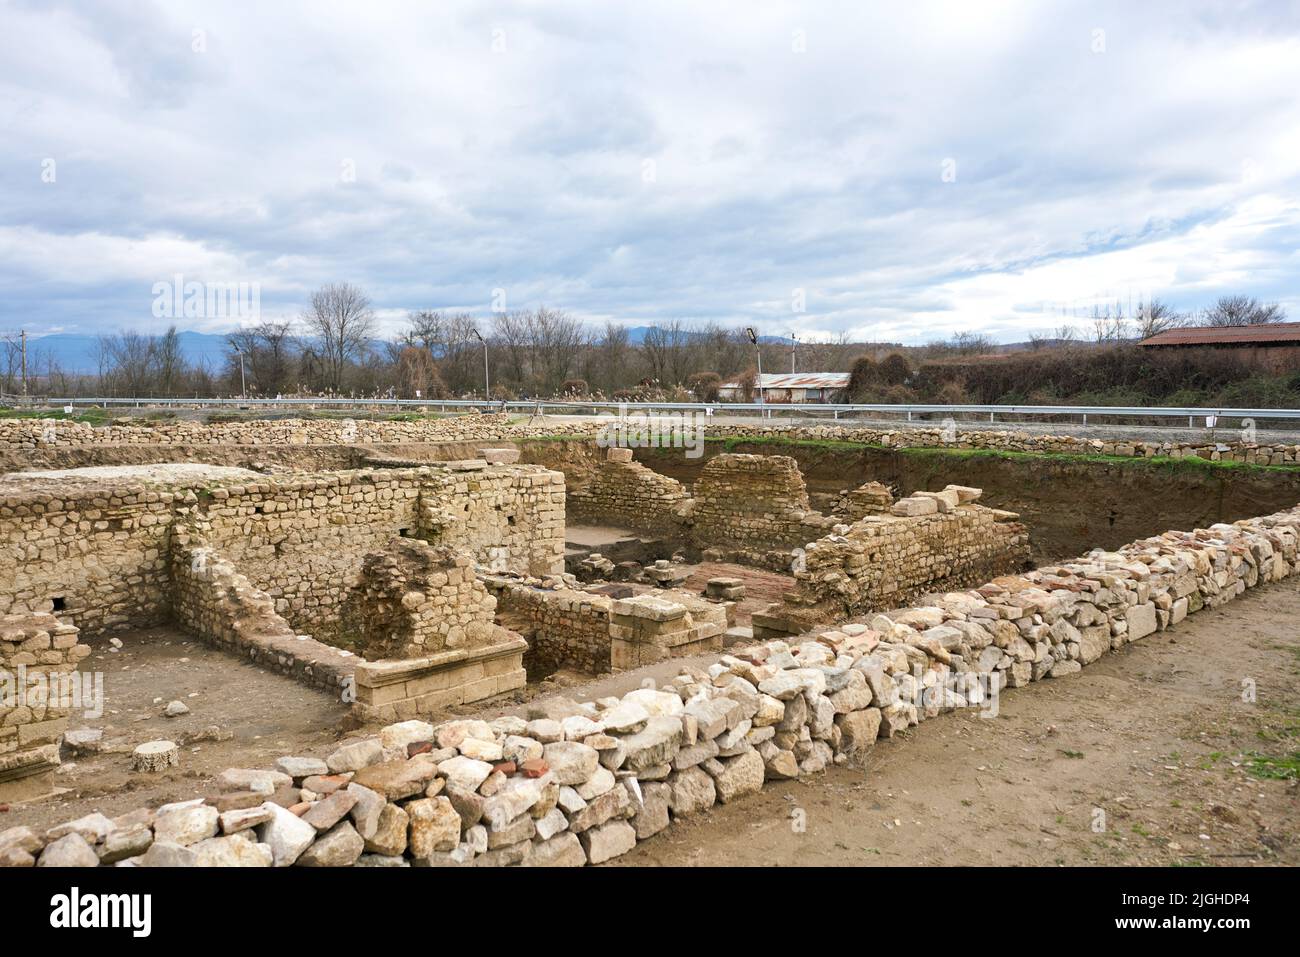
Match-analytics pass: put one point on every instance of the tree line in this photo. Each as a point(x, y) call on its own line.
point(333, 348)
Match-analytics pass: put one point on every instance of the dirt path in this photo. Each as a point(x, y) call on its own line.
point(1156, 738)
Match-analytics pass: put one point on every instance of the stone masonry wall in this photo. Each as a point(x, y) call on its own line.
point(565, 628)
point(38, 663)
point(625, 492)
point(882, 561)
point(647, 629)
point(19, 435)
point(415, 599)
point(584, 788)
point(34, 434)
point(96, 558)
point(97, 554)
point(211, 599)
point(748, 506)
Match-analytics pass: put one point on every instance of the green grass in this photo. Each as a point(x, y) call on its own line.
point(90, 416)
point(731, 442)
point(1158, 462)
point(1274, 768)
point(1164, 463)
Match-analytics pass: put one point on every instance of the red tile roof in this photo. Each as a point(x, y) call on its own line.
point(1270, 333)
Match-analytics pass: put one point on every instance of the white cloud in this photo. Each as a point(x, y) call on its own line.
point(1161, 165)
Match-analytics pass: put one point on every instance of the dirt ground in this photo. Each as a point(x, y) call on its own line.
point(257, 715)
point(761, 587)
point(1156, 738)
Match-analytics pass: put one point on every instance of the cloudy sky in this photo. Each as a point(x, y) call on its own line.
point(896, 171)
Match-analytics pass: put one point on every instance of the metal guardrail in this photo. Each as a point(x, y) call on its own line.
point(768, 409)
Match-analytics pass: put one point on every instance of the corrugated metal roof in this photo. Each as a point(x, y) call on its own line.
point(1269, 332)
point(799, 380)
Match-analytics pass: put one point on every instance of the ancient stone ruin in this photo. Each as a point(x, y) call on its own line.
point(441, 597)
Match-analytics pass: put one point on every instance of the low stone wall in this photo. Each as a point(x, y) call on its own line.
point(19, 435)
point(38, 686)
point(393, 690)
point(883, 561)
point(211, 599)
point(647, 629)
point(565, 628)
point(586, 787)
point(32, 434)
point(754, 508)
point(624, 492)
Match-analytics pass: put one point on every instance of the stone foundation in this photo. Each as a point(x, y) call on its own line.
point(647, 629)
point(403, 689)
point(565, 628)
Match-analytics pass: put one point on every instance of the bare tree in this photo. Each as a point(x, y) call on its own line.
point(1242, 311)
point(1157, 316)
point(169, 362)
point(341, 317)
point(128, 362)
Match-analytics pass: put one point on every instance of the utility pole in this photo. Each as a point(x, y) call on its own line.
point(23, 334)
point(758, 351)
point(487, 385)
point(792, 342)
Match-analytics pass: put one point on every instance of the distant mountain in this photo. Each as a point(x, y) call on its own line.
point(78, 354)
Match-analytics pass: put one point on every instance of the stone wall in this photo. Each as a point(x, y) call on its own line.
point(754, 508)
point(1231, 450)
point(97, 558)
point(302, 539)
point(647, 629)
point(624, 492)
point(211, 599)
point(214, 601)
point(27, 435)
point(870, 498)
point(565, 628)
point(33, 434)
point(39, 685)
point(415, 599)
point(882, 561)
point(398, 689)
point(96, 554)
point(587, 785)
